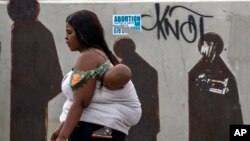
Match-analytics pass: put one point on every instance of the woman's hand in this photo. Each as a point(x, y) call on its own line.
point(55, 135)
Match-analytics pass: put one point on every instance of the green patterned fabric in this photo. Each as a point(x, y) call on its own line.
point(79, 77)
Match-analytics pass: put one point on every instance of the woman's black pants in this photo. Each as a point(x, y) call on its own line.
point(83, 132)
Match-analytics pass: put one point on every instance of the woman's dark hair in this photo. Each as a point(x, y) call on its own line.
point(89, 32)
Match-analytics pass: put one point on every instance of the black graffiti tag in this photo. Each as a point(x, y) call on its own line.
point(164, 27)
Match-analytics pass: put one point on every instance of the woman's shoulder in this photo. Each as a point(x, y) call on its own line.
point(88, 60)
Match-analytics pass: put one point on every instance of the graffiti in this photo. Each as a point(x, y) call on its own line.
point(213, 94)
point(35, 72)
point(146, 85)
point(164, 27)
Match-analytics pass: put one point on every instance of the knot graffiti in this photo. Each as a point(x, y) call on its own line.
point(188, 29)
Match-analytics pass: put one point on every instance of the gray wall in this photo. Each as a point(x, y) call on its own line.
point(172, 58)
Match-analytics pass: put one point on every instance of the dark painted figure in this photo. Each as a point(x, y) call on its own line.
point(145, 79)
point(213, 94)
point(36, 74)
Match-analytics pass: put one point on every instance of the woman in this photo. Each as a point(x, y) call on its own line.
point(90, 105)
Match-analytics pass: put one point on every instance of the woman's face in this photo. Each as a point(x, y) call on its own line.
point(71, 39)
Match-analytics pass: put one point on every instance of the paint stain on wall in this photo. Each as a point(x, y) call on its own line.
point(145, 79)
point(213, 94)
point(35, 74)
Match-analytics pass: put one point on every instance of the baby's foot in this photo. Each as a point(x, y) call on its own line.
point(104, 132)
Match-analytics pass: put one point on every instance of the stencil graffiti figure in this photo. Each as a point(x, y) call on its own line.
point(213, 94)
point(146, 85)
point(35, 74)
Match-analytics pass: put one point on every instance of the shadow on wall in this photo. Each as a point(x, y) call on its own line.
point(145, 79)
point(36, 74)
point(213, 94)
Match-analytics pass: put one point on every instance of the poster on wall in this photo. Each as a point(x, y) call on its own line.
point(131, 21)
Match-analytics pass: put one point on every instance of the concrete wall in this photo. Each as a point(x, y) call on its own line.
point(173, 58)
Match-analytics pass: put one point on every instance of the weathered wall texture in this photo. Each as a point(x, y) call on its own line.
point(178, 89)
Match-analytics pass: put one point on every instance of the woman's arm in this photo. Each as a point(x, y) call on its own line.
point(82, 96)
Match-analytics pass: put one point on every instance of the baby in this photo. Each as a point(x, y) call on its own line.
point(115, 78)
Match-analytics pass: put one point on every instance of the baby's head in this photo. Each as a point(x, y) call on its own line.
point(117, 76)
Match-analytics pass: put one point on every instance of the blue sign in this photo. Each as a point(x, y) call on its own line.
point(126, 21)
